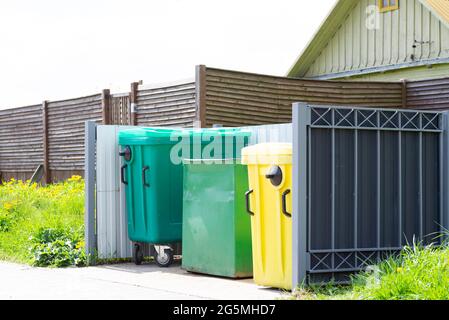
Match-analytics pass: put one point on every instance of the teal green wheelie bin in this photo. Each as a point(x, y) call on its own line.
point(153, 177)
point(153, 185)
point(216, 236)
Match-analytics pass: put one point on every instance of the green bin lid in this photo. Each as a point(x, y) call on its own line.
point(224, 132)
point(206, 162)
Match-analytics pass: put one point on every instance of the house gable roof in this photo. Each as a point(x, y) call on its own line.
point(337, 16)
point(438, 7)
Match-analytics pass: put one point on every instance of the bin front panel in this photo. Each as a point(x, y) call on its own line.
point(216, 231)
point(271, 229)
point(154, 205)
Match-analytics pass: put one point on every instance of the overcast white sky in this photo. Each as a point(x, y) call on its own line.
point(53, 49)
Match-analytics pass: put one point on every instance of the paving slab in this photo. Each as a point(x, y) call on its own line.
point(123, 282)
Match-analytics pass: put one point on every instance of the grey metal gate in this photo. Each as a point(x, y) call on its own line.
point(368, 181)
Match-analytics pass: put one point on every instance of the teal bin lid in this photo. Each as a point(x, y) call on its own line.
point(145, 136)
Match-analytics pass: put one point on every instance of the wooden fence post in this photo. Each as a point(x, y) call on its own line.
point(133, 103)
point(404, 94)
point(106, 106)
point(47, 173)
point(200, 84)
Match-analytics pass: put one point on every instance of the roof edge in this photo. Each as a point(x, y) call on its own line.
point(380, 69)
point(429, 7)
point(324, 33)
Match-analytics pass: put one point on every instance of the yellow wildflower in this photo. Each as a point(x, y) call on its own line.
point(75, 178)
point(399, 270)
point(8, 205)
point(80, 245)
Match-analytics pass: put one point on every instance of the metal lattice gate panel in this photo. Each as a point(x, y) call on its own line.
point(369, 182)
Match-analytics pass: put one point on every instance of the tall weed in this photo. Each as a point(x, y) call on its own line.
point(28, 209)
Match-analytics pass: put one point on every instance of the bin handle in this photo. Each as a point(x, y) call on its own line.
point(284, 203)
point(248, 206)
point(122, 174)
point(144, 170)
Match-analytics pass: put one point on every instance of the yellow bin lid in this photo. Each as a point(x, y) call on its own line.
point(268, 153)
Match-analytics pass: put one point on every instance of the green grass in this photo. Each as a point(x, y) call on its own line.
point(26, 210)
point(419, 273)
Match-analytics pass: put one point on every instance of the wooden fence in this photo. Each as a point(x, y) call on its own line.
point(64, 150)
point(52, 133)
point(428, 95)
point(169, 105)
point(21, 148)
point(235, 98)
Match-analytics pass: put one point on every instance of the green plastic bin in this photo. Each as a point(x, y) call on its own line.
point(154, 183)
point(216, 228)
point(233, 140)
point(153, 186)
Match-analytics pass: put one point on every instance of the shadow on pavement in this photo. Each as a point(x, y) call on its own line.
point(175, 269)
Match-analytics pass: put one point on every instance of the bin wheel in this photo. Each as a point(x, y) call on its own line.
point(137, 254)
point(165, 259)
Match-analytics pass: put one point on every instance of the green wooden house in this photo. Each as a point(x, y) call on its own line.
point(385, 40)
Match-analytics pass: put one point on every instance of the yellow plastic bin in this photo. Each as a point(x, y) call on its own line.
point(269, 203)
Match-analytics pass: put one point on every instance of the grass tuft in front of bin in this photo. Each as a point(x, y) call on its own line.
point(419, 273)
point(42, 226)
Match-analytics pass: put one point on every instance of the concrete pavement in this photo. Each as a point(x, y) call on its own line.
point(124, 281)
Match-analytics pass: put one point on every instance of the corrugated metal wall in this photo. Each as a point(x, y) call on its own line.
point(21, 134)
point(270, 133)
point(239, 99)
point(171, 105)
point(112, 228)
point(66, 133)
point(112, 233)
point(409, 34)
